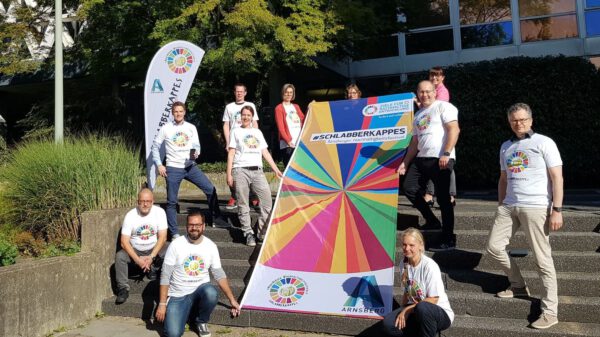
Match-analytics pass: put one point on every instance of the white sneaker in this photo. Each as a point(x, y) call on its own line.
point(545, 321)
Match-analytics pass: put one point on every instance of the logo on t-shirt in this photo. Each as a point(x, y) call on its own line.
point(413, 291)
point(180, 139)
point(193, 265)
point(423, 122)
point(517, 162)
point(251, 142)
point(293, 117)
point(145, 232)
point(287, 290)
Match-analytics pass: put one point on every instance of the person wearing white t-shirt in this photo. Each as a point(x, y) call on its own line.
point(143, 237)
point(247, 148)
point(185, 281)
point(183, 148)
point(289, 119)
point(530, 197)
point(424, 309)
point(435, 133)
point(232, 119)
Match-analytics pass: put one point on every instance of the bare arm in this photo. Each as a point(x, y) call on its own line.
point(452, 131)
point(162, 238)
point(142, 262)
point(235, 306)
point(161, 310)
point(269, 159)
point(556, 219)
point(502, 187)
point(226, 134)
point(411, 152)
point(403, 315)
point(230, 155)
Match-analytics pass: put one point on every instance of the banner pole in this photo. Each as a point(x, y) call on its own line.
point(58, 73)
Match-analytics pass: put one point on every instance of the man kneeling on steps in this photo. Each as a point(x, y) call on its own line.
point(185, 283)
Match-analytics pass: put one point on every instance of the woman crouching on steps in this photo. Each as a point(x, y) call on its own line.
point(425, 309)
point(247, 147)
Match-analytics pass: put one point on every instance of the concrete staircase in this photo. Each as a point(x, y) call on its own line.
point(471, 278)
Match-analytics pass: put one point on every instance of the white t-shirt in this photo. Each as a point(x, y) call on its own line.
point(192, 262)
point(248, 144)
point(233, 115)
point(294, 124)
point(425, 280)
point(179, 140)
point(143, 230)
point(526, 163)
point(428, 126)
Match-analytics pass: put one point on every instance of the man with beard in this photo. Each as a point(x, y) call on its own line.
point(185, 282)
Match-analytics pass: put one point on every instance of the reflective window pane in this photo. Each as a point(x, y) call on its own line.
point(376, 47)
point(484, 11)
point(592, 23)
point(486, 35)
point(556, 27)
point(428, 42)
point(425, 13)
point(592, 3)
point(545, 7)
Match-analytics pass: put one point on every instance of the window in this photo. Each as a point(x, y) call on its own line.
point(592, 17)
point(547, 19)
point(485, 23)
point(429, 27)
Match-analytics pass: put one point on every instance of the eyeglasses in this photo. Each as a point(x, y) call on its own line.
point(195, 225)
point(144, 201)
point(520, 121)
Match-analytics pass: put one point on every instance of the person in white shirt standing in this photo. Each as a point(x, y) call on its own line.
point(143, 237)
point(530, 197)
point(435, 133)
point(183, 148)
point(232, 119)
point(185, 281)
point(247, 148)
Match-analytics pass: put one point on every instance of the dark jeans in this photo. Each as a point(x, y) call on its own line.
point(286, 155)
point(415, 184)
point(426, 320)
point(194, 175)
point(203, 300)
point(122, 261)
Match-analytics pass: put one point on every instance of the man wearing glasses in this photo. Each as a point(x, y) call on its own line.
point(435, 133)
point(530, 196)
point(185, 282)
point(143, 236)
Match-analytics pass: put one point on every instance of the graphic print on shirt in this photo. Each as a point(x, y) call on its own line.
point(413, 291)
point(517, 162)
point(423, 121)
point(292, 117)
point(145, 232)
point(193, 265)
point(251, 142)
point(180, 139)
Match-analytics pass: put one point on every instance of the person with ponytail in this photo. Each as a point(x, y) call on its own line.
point(424, 309)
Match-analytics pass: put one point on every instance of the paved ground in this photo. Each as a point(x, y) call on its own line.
point(128, 327)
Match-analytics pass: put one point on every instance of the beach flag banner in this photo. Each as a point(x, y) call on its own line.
point(331, 240)
point(169, 79)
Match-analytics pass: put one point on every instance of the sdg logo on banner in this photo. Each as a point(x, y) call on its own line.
point(287, 290)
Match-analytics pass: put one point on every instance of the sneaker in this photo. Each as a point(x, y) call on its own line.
point(122, 296)
point(153, 275)
point(545, 321)
point(442, 247)
point(514, 292)
point(219, 222)
point(231, 204)
point(250, 241)
point(431, 226)
point(203, 330)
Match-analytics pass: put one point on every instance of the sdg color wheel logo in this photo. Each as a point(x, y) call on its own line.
point(517, 162)
point(193, 265)
point(287, 291)
point(180, 60)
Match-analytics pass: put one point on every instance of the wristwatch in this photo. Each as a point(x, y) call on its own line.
point(557, 209)
point(447, 153)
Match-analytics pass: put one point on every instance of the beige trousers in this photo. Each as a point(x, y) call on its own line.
point(532, 221)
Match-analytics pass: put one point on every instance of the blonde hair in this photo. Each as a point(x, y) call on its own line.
point(417, 235)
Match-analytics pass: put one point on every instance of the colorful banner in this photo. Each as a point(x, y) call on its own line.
point(331, 242)
point(169, 79)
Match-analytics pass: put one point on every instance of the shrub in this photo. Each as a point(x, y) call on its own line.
point(48, 186)
point(563, 94)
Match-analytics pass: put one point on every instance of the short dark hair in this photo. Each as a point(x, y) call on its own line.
point(196, 212)
point(176, 104)
point(437, 70)
point(240, 84)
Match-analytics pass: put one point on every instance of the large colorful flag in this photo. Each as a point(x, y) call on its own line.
point(169, 79)
point(331, 242)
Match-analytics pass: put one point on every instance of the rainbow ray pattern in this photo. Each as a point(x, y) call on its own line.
point(337, 207)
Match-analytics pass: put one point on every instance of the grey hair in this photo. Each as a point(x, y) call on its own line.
point(519, 106)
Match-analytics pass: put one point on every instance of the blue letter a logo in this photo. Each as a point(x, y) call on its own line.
point(367, 291)
point(156, 86)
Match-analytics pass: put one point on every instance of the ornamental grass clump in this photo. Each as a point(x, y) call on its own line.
point(47, 186)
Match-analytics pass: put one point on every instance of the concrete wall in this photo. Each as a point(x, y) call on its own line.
point(38, 296)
